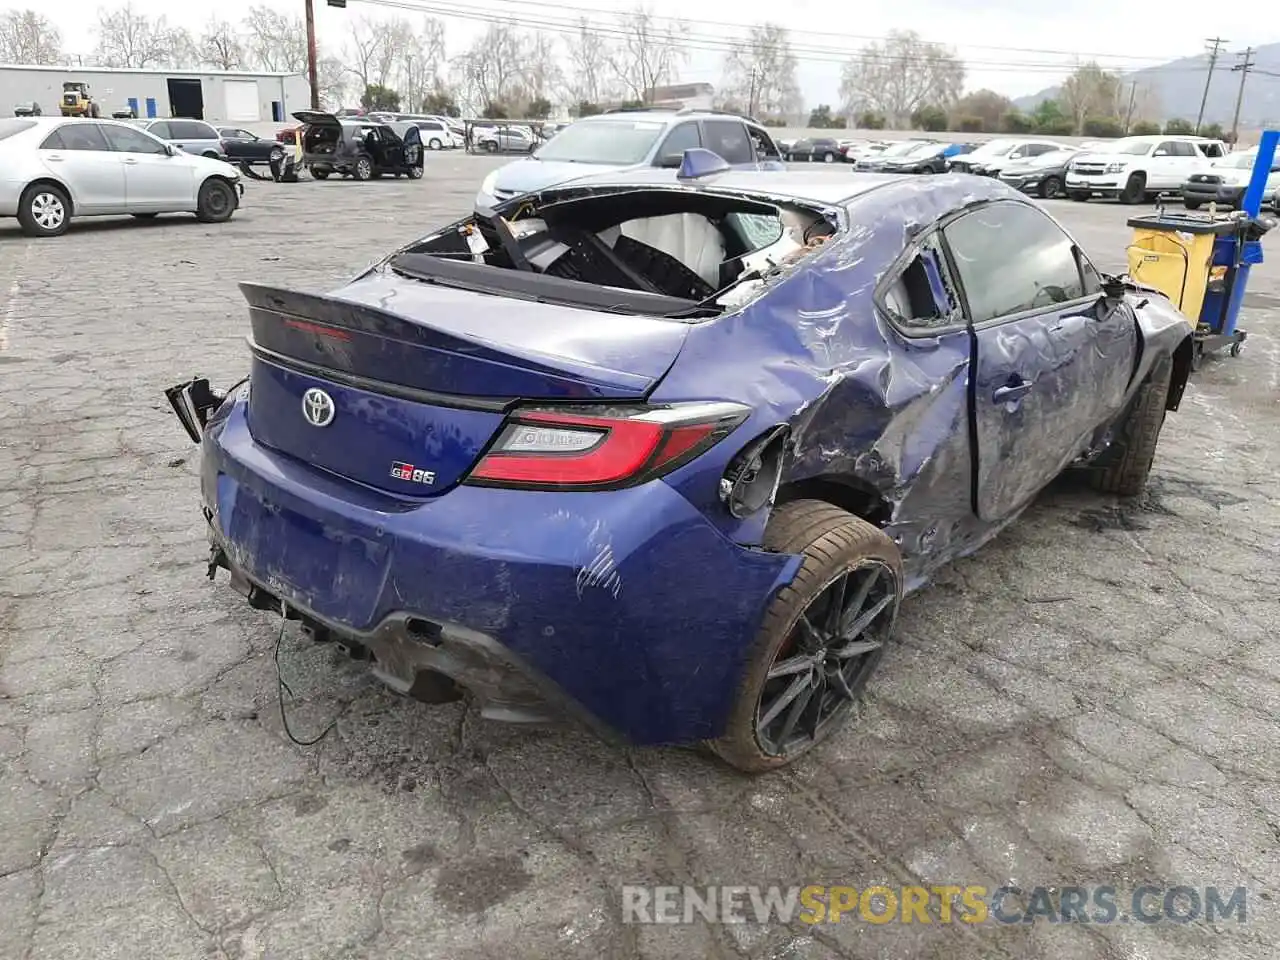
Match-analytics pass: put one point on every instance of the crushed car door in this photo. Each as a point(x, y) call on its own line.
point(1041, 356)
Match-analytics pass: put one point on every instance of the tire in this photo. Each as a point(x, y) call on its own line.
point(216, 201)
point(275, 156)
point(95, 111)
point(828, 158)
point(1191, 204)
point(44, 211)
point(415, 173)
point(834, 544)
point(435, 144)
point(1050, 188)
point(1078, 197)
point(1135, 189)
point(320, 174)
point(491, 147)
point(210, 154)
point(363, 170)
point(1123, 467)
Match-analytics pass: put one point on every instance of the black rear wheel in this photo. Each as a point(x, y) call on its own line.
point(1078, 196)
point(363, 169)
point(1191, 204)
point(1051, 188)
point(822, 636)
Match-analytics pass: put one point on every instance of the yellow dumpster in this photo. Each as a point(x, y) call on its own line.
point(1174, 253)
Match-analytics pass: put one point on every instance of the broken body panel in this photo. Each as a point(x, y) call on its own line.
point(636, 604)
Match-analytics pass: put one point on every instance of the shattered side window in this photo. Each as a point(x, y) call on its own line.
point(920, 297)
point(758, 230)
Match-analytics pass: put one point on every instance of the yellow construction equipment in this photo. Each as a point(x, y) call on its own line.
point(77, 101)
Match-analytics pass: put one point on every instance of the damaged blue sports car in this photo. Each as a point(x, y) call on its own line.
point(665, 452)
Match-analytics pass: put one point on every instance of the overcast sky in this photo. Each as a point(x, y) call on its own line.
point(1013, 46)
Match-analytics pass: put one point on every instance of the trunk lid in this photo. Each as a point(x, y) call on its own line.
point(400, 385)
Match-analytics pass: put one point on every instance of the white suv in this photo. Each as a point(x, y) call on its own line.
point(1136, 168)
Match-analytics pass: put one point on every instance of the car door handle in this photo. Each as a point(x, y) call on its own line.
point(54, 158)
point(1012, 391)
point(129, 160)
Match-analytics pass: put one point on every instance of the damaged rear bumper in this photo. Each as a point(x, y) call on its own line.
point(627, 608)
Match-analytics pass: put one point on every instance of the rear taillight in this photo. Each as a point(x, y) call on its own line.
point(564, 450)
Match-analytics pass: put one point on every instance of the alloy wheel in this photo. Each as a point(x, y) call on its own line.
point(48, 211)
point(824, 663)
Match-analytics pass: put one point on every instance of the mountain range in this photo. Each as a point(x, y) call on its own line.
point(1176, 88)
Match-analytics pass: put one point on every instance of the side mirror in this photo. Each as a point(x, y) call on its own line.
point(170, 150)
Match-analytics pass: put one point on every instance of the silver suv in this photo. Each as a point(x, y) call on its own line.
point(628, 140)
point(193, 136)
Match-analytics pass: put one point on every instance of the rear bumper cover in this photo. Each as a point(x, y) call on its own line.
point(628, 606)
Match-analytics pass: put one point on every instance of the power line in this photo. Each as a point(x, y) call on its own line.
point(701, 42)
point(1208, 78)
point(721, 25)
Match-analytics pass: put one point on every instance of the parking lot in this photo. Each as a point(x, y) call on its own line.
point(1093, 699)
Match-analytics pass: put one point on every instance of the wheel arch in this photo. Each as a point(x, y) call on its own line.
point(54, 182)
point(846, 491)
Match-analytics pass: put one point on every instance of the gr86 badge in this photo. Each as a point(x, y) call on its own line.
point(407, 471)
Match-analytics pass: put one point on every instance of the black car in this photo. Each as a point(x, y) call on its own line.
point(242, 146)
point(362, 149)
point(824, 149)
point(1045, 175)
point(926, 157)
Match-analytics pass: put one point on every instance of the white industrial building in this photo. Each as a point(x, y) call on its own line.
point(215, 95)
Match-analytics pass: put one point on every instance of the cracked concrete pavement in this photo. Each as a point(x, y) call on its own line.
point(1092, 699)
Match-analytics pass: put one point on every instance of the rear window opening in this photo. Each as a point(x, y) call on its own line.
point(659, 253)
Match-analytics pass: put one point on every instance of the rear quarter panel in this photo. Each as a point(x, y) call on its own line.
point(865, 405)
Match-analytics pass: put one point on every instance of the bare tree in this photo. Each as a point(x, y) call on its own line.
point(590, 55)
point(647, 53)
point(274, 41)
point(421, 55)
point(760, 72)
point(331, 79)
point(180, 48)
point(377, 49)
point(29, 37)
point(130, 39)
point(220, 46)
point(543, 75)
point(899, 76)
point(1090, 91)
point(491, 71)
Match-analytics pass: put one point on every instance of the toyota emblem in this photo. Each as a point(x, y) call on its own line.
point(317, 407)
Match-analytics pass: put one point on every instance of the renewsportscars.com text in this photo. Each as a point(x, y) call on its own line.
point(944, 903)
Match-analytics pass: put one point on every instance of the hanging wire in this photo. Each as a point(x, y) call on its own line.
point(282, 688)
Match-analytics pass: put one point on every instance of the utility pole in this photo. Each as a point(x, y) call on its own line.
point(312, 72)
point(751, 95)
point(1243, 69)
point(1128, 117)
point(1217, 43)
